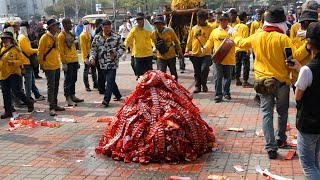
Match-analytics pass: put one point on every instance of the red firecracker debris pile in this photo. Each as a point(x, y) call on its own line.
point(158, 122)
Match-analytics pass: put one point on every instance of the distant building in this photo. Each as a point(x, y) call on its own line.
point(24, 8)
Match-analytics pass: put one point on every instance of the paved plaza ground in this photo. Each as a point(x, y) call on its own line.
point(68, 152)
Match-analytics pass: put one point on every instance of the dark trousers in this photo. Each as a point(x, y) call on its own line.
point(143, 65)
point(171, 63)
point(36, 71)
point(93, 74)
point(101, 78)
point(70, 79)
point(201, 69)
point(133, 65)
point(53, 77)
point(182, 64)
point(242, 58)
point(12, 83)
point(111, 85)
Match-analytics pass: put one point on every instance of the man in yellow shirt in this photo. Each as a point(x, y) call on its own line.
point(195, 49)
point(233, 17)
point(27, 50)
point(270, 66)
point(49, 62)
point(257, 24)
point(10, 74)
point(242, 56)
point(223, 70)
point(210, 19)
point(85, 45)
point(218, 13)
point(70, 64)
point(167, 36)
point(140, 39)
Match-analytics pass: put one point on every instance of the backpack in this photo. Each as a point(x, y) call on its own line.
point(161, 45)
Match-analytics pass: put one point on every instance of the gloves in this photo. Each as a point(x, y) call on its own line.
point(203, 49)
point(301, 34)
point(64, 67)
point(231, 30)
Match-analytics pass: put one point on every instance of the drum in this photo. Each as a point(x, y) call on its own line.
point(223, 50)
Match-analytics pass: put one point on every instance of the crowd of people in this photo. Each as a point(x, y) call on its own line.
point(27, 47)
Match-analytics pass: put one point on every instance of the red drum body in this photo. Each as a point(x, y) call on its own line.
point(223, 50)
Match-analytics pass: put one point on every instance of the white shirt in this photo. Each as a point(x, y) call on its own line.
point(304, 79)
point(124, 30)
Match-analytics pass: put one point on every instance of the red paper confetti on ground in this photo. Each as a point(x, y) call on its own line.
point(235, 129)
point(157, 123)
point(288, 127)
point(290, 154)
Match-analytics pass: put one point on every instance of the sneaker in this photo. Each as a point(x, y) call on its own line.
point(197, 90)
point(40, 98)
point(227, 97)
point(88, 89)
point(58, 108)
point(52, 112)
point(75, 99)
point(105, 103)
point(205, 88)
point(217, 99)
point(238, 82)
point(182, 71)
point(31, 106)
point(117, 98)
point(246, 84)
point(281, 144)
point(272, 154)
point(6, 115)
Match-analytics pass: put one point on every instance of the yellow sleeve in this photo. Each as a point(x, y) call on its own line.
point(301, 53)
point(292, 33)
point(242, 42)
point(210, 41)
point(246, 32)
point(129, 39)
point(25, 46)
point(61, 41)
point(19, 59)
point(189, 41)
point(176, 42)
point(252, 28)
point(41, 48)
point(83, 45)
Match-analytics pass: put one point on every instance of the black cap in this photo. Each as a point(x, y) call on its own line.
point(140, 15)
point(8, 24)
point(202, 14)
point(159, 19)
point(309, 15)
point(224, 16)
point(313, 32)
point(52, 22)
point(233, 11)
point(7, 35)
point(312, 5)
point(242, 15)
point(260, 11)
point(218, 11)
point(275, 15)
point(106, 22)
point(86, 22)
point(24, 23)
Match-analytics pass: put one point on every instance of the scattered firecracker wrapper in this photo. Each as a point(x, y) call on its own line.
point(58, 119)
point(290, 154)
point(40, 110)
point(292, 143)
point(216, 177)
point(69, 107)
point(238, 168)
point(260, 133)
point(294, 136)
point(54, 124)
point(288, 127)
point(220, 116)
point(269, 174)
point(96, 102)
point(178, 178)
point(235, 129)
point(106, 119)
point(79, 160)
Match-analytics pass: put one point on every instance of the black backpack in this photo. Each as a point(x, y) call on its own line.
point(161, 45)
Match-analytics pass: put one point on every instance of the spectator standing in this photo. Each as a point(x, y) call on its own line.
point(48, 57)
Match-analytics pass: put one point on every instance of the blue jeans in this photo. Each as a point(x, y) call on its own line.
point(143, 65)
point(308, 150)
point(12, 83)
point(111, 85)
point(282, 105)
point(70, 79)
point(201, 69)
point(222, 76)
point(29, 82)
